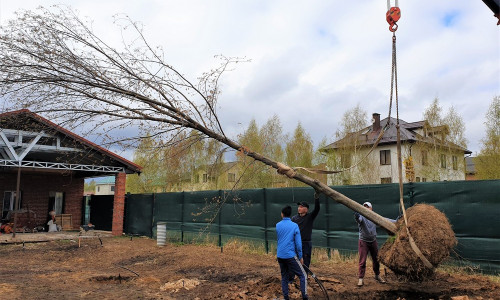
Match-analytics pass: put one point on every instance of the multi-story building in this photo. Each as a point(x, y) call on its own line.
point(426, 154)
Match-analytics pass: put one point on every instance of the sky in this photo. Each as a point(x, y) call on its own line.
point(311, 61)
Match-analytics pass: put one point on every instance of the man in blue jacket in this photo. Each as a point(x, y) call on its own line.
point(289, 252)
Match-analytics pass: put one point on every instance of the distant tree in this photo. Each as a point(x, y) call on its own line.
point(147, 155)
point(456, 126)
point(432, 114)
point(266, 140)
point(447, 140)
point(353, 121)
point(89, 187)
point(487, 163)
point(321, 157)
point(272, 135)
point(299, 151)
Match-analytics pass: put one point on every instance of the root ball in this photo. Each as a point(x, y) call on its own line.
point(432, 234)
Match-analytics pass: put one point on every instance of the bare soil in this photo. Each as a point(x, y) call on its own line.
point(139, 269)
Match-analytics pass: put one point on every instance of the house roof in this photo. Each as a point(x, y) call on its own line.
point(104, 180)
point(99, 154)
point(408, 133)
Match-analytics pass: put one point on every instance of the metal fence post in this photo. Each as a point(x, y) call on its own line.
point(219, 221)
point(182, 216)
point(265, 220)
point(153, 216)
point(327, 215)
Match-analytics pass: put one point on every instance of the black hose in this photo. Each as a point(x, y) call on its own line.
point(127, 270)
point(317, 281)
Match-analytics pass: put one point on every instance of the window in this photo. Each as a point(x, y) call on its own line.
point(56, 202)
point(384, 180)
point(424, 179)
point(455, 162)
point(205, 177)
point(231, 177)
point(9, 201)
point(197, 178)
point(98, 188)
point(345, 160)
point(418, 179)
point(385, 157)
point(112, 188)
point(443, 161)
point(425, 159)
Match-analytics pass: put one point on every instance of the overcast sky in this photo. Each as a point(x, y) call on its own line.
point(313, 60)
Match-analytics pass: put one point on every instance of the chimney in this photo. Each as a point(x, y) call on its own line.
point(376, 122)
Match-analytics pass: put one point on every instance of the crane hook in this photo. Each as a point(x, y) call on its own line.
point(392, 16)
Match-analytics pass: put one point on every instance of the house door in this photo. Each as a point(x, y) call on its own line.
point(101, 211)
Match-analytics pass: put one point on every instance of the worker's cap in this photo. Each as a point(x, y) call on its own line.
point(367, 204)
point(303, 203)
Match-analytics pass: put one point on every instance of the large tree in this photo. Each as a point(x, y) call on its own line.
point(266, 140)
point(455, 126)
point(488, 161)
point(299, 150)
point(446, 137)
point(348, 152)
point(52, 62)
point(148, 155)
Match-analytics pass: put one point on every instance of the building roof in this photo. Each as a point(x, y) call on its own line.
point(104, 180)
point(408, 133)
point(91, 153)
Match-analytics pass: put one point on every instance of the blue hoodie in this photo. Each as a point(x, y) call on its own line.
point(289, 241)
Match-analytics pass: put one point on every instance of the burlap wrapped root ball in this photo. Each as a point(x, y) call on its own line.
point(433, 235)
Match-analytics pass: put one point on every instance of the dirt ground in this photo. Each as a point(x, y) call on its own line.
point(138, 269)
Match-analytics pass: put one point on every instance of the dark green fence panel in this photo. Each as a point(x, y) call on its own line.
point(168, 207)
point(201, 211)
point(243, 214)
point(139, 214)
point(473, 208)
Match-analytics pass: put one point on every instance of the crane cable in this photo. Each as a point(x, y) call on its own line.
point(393, 14)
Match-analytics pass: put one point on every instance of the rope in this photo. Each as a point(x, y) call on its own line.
point(394, 87)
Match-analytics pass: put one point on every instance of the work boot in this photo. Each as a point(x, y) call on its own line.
point(380, 279)
point(360, 282)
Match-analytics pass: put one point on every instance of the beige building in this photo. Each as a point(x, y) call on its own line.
point(104, 186)
point(426, 154)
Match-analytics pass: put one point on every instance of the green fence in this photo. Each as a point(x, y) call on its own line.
point(473, 208)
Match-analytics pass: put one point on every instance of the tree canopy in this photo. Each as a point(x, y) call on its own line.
point(487, 163)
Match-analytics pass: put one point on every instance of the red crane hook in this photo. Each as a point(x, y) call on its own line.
point(392, 16)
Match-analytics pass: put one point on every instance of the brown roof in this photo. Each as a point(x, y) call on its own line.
point(132, 167)
point(367, 136)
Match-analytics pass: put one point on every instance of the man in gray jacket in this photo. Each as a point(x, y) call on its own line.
point(367, 243)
